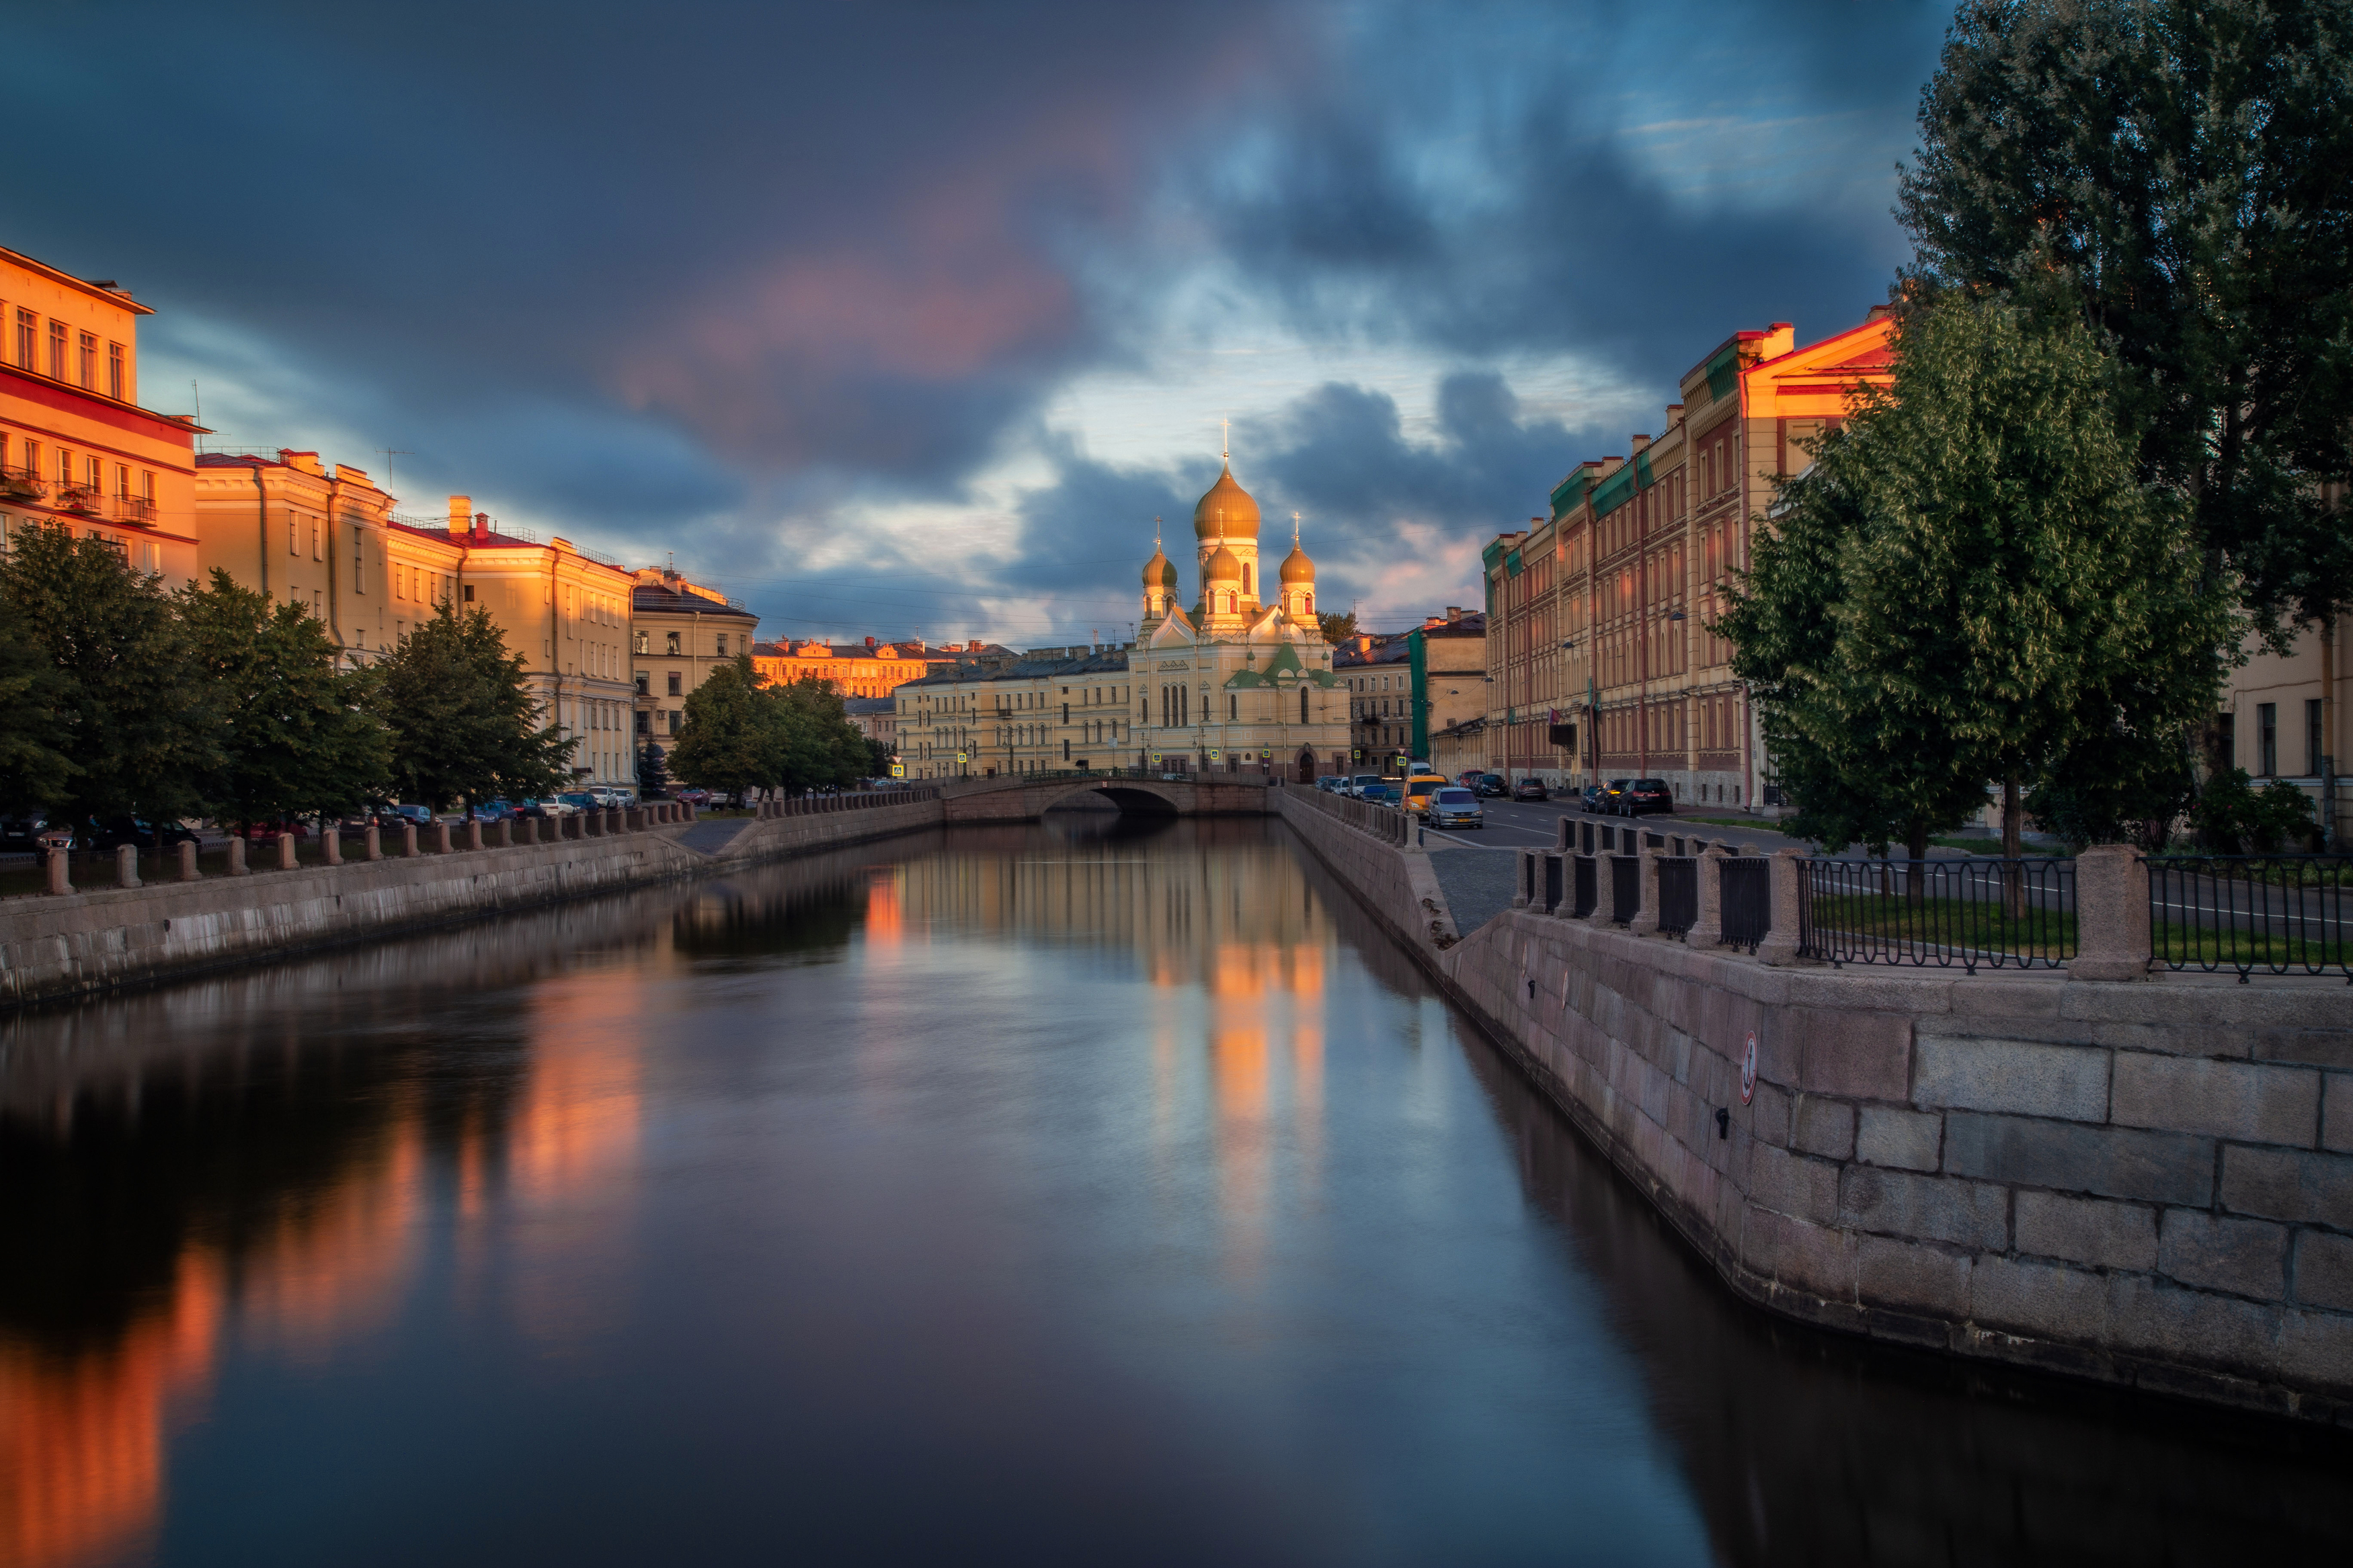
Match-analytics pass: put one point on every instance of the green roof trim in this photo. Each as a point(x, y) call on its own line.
point(1512, 564)
point(1724, 372)
point(1568, 492)
point(1619, 488)
point(1492, 556)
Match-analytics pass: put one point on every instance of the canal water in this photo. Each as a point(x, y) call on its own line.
point(1089, 1192)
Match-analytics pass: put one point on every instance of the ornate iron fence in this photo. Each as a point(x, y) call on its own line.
point(1942, 913)
point(2276, 913)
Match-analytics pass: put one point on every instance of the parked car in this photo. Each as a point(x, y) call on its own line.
point(1593, 798)
point(1455, 807)
point(30, 835)
point(693, 796)
point(1646, 798)
point(1418, 789)
point(1361, 782)
point(1492, 787)
point(580, 800)
point(1613, 795)
point(253, 830)
point(117, 831)
point(543, 810)
point(420, 815)
point(1379, 794)
point(494, 811)
point(1530, 788)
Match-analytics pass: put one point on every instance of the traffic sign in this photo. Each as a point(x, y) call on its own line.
point(962, 758)
point(1213, 753)
point(898, 770)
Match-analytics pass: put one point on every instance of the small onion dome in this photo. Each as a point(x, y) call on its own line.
point(1296, 567)
point(1224, 510)
point(1224, 566)
point(1159, 571)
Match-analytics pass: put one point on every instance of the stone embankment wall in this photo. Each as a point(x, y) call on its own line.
point(2143, 1182)
point(74, 943)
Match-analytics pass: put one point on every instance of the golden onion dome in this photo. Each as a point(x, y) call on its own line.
point(1224, 510)
point(1224, 566)
point(1296, 567)
point(1159, 571)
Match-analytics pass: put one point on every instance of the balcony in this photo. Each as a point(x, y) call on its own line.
point(78, 500)
point(22, 485)
point(140, 509)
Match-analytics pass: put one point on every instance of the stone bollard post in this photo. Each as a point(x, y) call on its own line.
point(506, 833)
point(1646, 918)
point(2112, 938)
point(441, 838)
point(60, 870)
point(409, 840)
point(1707, 930)
point(188, 872)
point(592, 824)
point(530, 830)
point(236, 866)
point(1525, 881)
point(332, 844)
point(1784, 868)
point(373, 838)
point(286, 861)
point(126, 865)
point(1564, 835)
point(612, 821)
point(473, 833)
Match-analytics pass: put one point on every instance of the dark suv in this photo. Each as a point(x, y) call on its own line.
point(1530, 788)
point(1490, 786)
point(1644, 798)
point(117, 831)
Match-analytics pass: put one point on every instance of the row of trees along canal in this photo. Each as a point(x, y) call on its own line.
point(119, 698)
point(2114, 445)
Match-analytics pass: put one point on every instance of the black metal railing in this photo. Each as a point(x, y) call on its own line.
point(1587, 882)
point(1625, 889)
point(1551, 883)
point(2275, 913)
point(1942, 913)
point(1527, 878)
point(1746, 900)
point(1678, 894)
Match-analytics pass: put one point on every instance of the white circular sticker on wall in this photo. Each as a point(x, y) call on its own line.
point(1748, 1069)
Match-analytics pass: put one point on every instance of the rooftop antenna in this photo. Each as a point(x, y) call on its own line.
point(389, 453)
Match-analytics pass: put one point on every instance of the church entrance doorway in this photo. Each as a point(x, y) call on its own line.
point(1306, 766)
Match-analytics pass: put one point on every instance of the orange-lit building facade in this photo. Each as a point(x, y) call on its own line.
point(1600, 649)
point(679, 632)
point(77, 450)
point(875, 669)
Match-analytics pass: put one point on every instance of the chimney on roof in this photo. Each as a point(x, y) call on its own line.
point(1638, 443)
point(481, 528)
point(870, 642)
point(1453, 612)
point(461, 514)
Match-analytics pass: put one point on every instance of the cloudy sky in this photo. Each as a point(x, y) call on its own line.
point(908, 319)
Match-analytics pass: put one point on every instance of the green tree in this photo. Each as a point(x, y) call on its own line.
point(463, 719)
point(729, 739)
point(297, 737)
point(33, 772)
point(1338, 629)
point(817, 744)
point(653, 771)
point(2177, 169)
point(133, 725)
point(1973, 583)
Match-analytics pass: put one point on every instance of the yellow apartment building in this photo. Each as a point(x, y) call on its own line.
point(679, 632)
point(874, 669)
point(1600, 651)
point(1052, 710)
point(288, 526)
point(77, 450)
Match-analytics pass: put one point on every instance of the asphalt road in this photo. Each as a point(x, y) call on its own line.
point(1527, 824)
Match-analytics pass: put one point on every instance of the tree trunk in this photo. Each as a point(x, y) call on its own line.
point(2014, 876)
point(1916, 879)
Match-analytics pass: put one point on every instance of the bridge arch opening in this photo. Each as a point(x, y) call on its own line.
point(1127, 801)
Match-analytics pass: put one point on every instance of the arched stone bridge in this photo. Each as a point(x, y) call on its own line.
point(1019, 799)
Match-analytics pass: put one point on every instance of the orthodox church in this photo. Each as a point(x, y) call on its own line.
point(1238, 683)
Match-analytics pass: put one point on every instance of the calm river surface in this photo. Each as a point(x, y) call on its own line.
point(1081, 1193)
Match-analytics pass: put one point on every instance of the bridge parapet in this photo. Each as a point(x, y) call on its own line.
point(1025, 798)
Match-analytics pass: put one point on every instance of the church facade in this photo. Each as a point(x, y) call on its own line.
point(1243, 681)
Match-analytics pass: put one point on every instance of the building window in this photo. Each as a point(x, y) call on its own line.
point(674, 717)
point(469, 592)
point(86, 364)
point(2312, 736)
point(645, 723)
point(57, 351)
point(722, 645)
point(673, 646)
point(645, 684)
point(639, 641)
point(2267, 738)
point(359, 560)
point(27, 340)
point(114, 381)
point(674, 678)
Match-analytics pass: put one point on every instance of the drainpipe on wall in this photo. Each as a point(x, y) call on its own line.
point(261, 522)
point(334, 588)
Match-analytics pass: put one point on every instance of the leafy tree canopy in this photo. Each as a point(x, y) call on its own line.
point(297, 737)
point(2178, 170)
point(740, 734)
point(464, 720)
point(134, 725)
point(1972, 582)
point(1338, 629)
